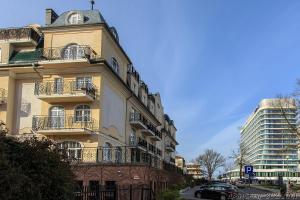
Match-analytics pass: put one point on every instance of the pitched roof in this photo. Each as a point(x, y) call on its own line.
point(89, 17)
point(25, 57)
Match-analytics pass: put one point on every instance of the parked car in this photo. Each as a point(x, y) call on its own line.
point(217, 191)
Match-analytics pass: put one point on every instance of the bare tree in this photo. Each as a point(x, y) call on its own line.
point(239, 157)
point(228, 166)
point(210, 161)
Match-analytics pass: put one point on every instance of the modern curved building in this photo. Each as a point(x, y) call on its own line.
point(270, 141)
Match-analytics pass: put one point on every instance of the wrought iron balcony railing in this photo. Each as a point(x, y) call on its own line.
point(142, 143)
point(73, 52)
point(70, 87)
point(17, 34)
point(137, 117)
point(170, 147)
point(151, 148)
point(155, 131)
point(3, 96)
point(41, 123)
point(112, 155)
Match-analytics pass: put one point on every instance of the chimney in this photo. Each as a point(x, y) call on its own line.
point(51, 16)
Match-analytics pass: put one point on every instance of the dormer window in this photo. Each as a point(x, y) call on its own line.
point(115, 65)
point(74, 18)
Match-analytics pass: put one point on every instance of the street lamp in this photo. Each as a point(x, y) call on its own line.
point(287, 169)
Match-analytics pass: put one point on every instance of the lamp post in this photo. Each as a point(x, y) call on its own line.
point(287, 168)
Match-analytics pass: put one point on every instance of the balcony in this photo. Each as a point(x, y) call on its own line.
point(137, 121)
point(67, 53)
point(65, 91)
point(65, 125)
point(142, 143)
point(119, 155)
point(3, 96)
point(170, 147)
point(152, 132)
point(20, 36)
point(168, 133)
point(152, 149)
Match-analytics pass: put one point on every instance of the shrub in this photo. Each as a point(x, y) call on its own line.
point(33, 170)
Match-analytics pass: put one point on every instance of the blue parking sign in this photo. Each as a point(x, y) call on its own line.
point(248, 169)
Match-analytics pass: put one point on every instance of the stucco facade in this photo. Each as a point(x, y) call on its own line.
point(72, 82)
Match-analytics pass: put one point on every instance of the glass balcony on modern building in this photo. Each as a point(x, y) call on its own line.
point(64, 125)
point(137, 121)
point(3, 96)
point(170, 147)
point(20, 36)
point(65, 91)
point(71, 52)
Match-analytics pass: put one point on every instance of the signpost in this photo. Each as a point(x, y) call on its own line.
point(249, 172)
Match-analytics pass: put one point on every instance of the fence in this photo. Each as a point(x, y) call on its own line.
point(124, 192)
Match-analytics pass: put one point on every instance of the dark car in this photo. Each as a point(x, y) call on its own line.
point(217, 191)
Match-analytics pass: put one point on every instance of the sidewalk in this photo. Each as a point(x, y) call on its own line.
point(265, 188)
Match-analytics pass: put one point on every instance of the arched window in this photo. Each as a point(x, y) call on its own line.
point(132, 138)
point(118, 155)
point(74, 18)
point(57, 117)
point(115, 65)
point(83, 113)
point(73, 149)
point(73, 52)
point(107, 152)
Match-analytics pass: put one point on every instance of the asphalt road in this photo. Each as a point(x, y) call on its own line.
point(247, 194)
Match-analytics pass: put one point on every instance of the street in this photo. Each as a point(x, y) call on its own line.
point(246, 194)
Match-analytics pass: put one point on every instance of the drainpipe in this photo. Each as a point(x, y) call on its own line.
point(126, 114)
point(34, 67)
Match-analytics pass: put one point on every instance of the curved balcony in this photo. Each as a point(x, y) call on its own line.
point(65, 91)
point(67, 53)
point(64, 125)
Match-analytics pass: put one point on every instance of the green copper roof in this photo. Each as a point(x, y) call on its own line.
point(25, 57)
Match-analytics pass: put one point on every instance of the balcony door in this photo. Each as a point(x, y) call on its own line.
point(73, 52)
point(58, 86)
point(57, 117)
point(84, 83)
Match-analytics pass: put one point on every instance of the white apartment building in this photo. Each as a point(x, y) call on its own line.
point(272, 146)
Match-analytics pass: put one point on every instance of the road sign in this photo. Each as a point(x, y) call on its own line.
point(249, 169)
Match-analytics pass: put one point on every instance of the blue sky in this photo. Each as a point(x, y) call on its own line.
point(211, 60)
